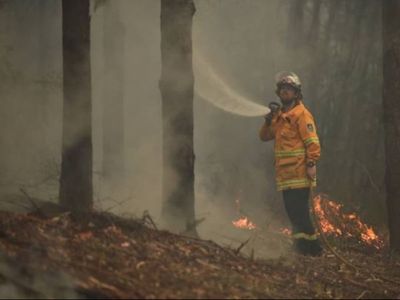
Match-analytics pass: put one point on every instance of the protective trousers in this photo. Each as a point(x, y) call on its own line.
point(298, 210)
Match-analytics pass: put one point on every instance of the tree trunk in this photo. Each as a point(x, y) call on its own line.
point(391, 108)
point(313, 34)
point(295, 28)
point(176, 86)
point(76, 189)
point(113, 102)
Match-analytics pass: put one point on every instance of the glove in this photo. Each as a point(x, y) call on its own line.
point(274, 107)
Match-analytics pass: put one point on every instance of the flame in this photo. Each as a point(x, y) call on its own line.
point(333, 222)
point(326, 225)
point(331, 219)
point(286, 231)
point(244, 223)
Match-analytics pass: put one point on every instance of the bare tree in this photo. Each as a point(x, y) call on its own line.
point(113, 102)
point(76, 191)
point(391, 108)
point(176, 86)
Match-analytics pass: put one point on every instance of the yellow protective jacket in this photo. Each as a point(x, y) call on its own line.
point(296, 143)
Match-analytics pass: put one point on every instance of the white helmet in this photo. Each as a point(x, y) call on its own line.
point(289, 78)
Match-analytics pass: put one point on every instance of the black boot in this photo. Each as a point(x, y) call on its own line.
point(307, 247)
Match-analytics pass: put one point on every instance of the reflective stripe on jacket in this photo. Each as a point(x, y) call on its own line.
point(296, 143)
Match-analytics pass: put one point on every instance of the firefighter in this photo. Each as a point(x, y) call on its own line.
point(297, 151)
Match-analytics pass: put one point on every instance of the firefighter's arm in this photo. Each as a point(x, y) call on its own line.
point(308, 133)
point(267, 131)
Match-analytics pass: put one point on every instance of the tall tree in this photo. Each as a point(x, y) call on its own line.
point(391, 108)
point(113, 104)
point(76, 190)
point(176, 86)
point(295, 27)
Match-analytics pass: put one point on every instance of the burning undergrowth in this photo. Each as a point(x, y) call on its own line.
point(243, 222)
point(333, 221)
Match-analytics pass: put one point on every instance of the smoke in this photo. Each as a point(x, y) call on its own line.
point(20, 281)
point(235, 58)
point(30, 91)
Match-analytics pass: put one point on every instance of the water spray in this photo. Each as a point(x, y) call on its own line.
point(210, 87)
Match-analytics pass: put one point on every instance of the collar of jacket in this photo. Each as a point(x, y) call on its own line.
point(294, 113)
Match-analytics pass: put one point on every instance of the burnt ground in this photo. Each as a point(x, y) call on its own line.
point(105, 256)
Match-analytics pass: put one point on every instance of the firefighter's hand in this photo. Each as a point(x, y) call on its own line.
point(312, 172)
point(268, 118)
point(274, 107)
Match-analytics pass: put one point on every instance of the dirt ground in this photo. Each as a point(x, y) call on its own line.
point(104, 256)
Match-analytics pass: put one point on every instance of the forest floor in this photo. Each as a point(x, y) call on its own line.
point(105, 256)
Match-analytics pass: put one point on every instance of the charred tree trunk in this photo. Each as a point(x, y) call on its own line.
point(391, 108)
point(113, 102)
point(176, 86)
point(76, 189)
